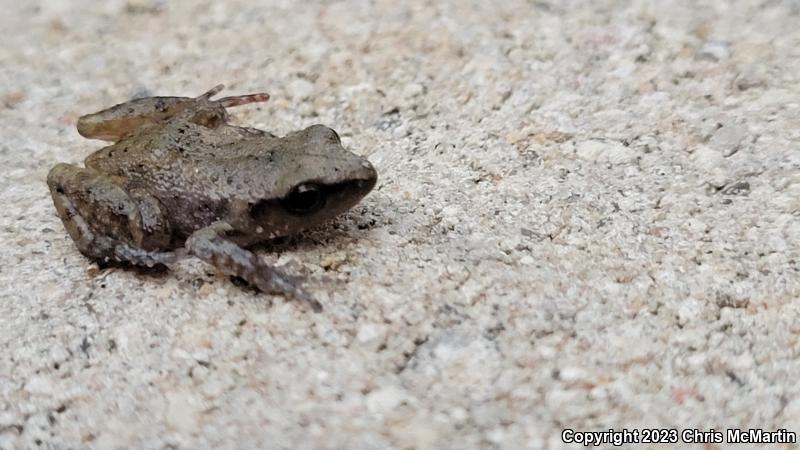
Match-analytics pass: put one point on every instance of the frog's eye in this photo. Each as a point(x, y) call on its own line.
point(323, 133)
point(305, 199)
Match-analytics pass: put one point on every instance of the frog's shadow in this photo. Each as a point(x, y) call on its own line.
point(156, 271)
point(340, 232)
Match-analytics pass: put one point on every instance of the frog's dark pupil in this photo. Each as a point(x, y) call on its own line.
point(304, 199)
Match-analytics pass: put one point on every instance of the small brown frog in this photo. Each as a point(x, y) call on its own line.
point(180, 179)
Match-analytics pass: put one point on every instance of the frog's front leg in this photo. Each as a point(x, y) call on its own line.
point(212, 246)
point(108, 223)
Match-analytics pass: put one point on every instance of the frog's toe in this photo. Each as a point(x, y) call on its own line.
point(272, 280)
point(212, 92)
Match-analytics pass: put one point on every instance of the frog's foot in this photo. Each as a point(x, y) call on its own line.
point(211, 245)
point(235, 100)
point(213, 113)
point(105, 222)
point(211, 92)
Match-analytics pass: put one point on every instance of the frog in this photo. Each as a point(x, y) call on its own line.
point(179, 180)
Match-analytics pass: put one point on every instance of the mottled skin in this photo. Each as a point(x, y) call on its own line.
point(178, 176)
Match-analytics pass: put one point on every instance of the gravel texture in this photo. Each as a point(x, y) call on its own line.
point(588, 216)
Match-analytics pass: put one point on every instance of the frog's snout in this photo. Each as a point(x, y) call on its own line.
point(365, 177)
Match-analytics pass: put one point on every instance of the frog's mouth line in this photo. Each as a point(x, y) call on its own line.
point(334, 199)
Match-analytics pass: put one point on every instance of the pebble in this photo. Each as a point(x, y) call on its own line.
point(182, 411)
point(412, 90)
point(571, 374)
point(695, 226)
point(300, 89)
point(604, 151)
point(39, 385)
point(385, 399)
point(707, 158)
point(714, 51)
point(728, 139)
point(372, 335)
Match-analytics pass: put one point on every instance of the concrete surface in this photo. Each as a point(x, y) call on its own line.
point(588, 217)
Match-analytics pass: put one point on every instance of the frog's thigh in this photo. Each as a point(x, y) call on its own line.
point(103, 220)
point(113, 123)
point(212, 246)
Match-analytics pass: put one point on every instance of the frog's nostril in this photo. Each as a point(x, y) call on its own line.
point(367, 176)
point(369, 170)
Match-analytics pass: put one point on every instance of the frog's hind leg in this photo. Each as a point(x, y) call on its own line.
point(116, 122)
point(106, 222)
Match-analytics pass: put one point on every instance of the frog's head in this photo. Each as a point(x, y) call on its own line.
point(317, 179)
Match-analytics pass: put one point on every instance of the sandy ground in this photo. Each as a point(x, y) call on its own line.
point(587, 217)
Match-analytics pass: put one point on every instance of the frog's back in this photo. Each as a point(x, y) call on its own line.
point(194, 171)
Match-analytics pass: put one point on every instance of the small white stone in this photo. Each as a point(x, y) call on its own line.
point(39, 385)
point(604, 151)
point(213, 387)
point(497, 436)
point(8, 438)
point(458, 414)
point(697, 360)
point(300, 88)
point(689, 310)
point(181, 411)
point(418, 432)
point(743, 362)
point(371, 335)
point(572, 374)
point(707, 159)
point(696, 227)
point(385, 399)
point(400, 131)
point(59, 353)
point(451, 211)
point(598, 393)
point(728, 139)
point(412, 90)
point(559, 398)
point(714, 51)
point(546, 351)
